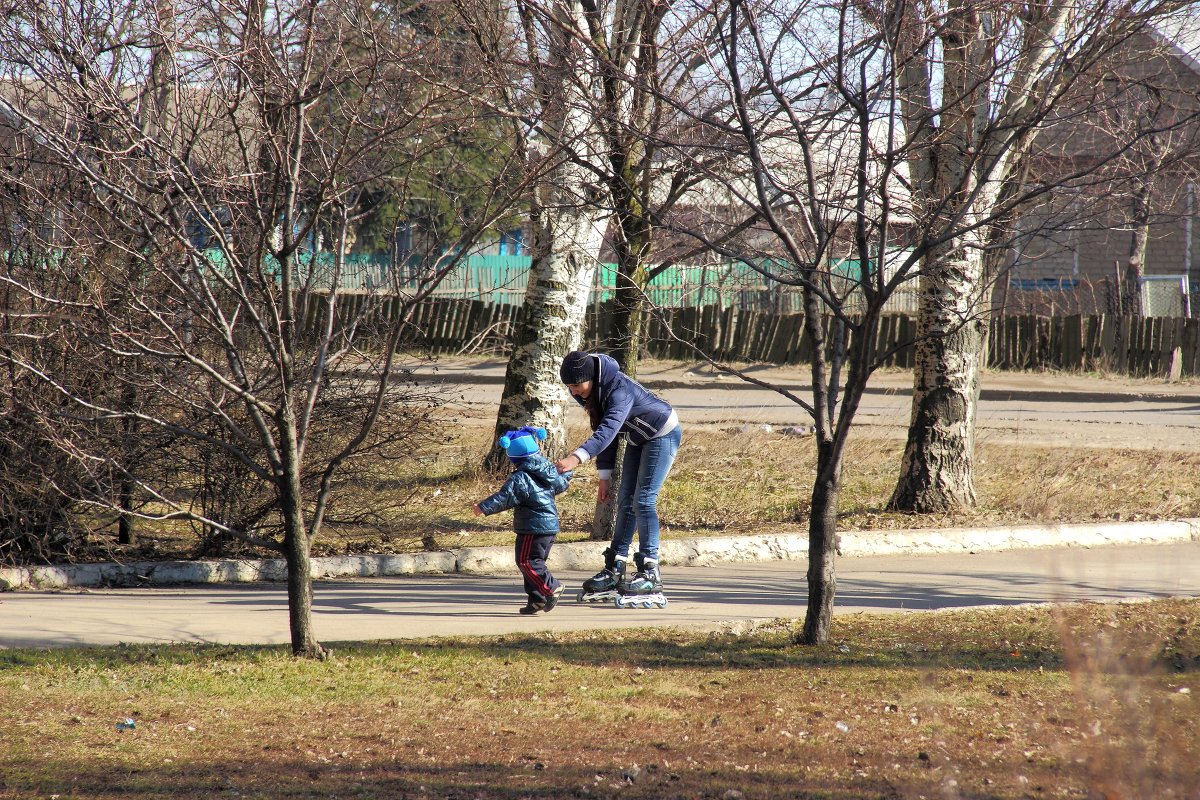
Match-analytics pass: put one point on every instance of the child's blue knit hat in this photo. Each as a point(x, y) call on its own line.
point(522, 442)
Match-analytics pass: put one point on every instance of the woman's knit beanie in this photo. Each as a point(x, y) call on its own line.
point(577, 367)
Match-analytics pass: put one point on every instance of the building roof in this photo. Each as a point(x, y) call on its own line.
point(1181, 32)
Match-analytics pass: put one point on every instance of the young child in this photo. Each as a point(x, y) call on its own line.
point(530, 491)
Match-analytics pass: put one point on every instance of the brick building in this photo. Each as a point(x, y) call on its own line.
point(1123, 157)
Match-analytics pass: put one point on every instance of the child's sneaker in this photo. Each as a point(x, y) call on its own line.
point(552, 600)
point(531, 607)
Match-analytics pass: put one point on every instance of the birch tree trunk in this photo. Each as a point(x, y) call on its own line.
point(568, 232)
point(937, 470)
point(566, 252)
point(966, 151)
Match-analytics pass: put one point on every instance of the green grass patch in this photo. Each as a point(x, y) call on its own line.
point(1081, 701)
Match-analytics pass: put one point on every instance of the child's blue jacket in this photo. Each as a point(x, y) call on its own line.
point(530, 491)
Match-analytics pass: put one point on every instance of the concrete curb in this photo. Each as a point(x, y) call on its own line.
point(586, 556)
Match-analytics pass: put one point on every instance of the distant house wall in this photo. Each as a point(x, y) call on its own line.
point(1081, 233)
point(1090, 248)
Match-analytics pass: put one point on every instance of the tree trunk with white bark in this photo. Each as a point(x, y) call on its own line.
point(566, 251)
point(568, 222)
point(937, 470)
point(961, 164)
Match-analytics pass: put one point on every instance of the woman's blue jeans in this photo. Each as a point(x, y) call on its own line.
point(642, 474)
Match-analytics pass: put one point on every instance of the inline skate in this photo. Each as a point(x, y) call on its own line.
point(644, 589)
point(604, 585)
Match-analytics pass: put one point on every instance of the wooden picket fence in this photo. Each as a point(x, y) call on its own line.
point(1138, 346)
point(1144, 346)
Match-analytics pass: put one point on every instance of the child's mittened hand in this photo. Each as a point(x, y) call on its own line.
point(478, 511)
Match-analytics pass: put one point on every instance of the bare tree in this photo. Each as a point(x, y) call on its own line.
point(977, 82)
point(1146, 104)
point(863, 183)
point(809, 165)
point(199, 281)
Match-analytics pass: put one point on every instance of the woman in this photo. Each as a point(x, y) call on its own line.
point(617, 404)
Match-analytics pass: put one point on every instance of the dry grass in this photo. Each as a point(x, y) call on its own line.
point(736, 483)
point(1087, 701)
point(727, 482)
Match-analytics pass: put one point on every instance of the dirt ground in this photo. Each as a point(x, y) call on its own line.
point(1071, 410)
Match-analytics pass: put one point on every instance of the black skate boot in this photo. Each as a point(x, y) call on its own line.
point(644, 589)
point(604, 585)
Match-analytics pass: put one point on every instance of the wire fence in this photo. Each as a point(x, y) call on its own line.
point(1159, 296)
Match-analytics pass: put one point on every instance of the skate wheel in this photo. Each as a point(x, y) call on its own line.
point(640, 601)
point(581, 597)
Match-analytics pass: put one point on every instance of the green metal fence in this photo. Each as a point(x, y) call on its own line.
point(502, 280)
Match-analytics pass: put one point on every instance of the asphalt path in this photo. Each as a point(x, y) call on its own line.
point(704, 597)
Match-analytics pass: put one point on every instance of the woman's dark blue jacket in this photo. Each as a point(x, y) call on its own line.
point(530, 491)
point(625, 407)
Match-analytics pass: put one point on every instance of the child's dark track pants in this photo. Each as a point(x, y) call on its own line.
point(532, 551)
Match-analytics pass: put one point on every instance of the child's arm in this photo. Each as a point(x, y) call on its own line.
point(504, 498)
point(561, 482)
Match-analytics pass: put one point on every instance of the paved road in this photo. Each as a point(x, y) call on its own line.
point(397, 608)
point(1023, 407)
